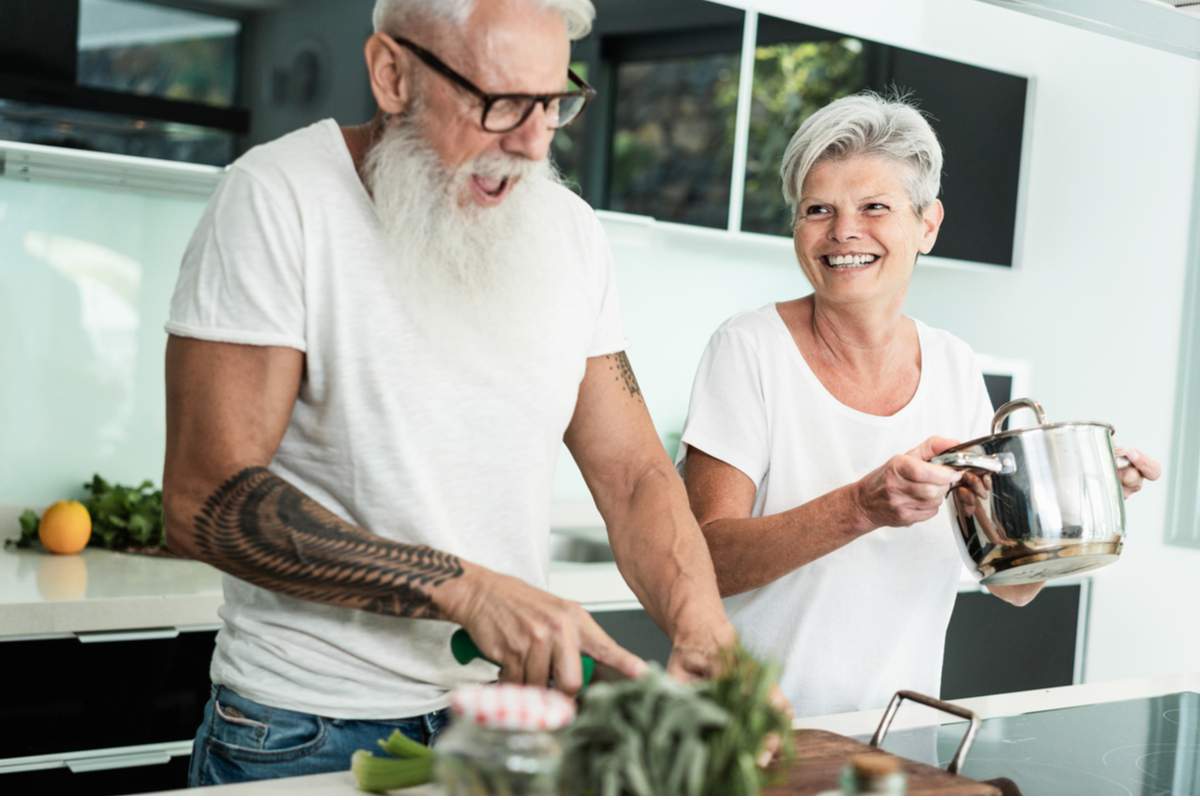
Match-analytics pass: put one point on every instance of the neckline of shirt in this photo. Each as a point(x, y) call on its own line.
point(345, 162)
point(807, 371)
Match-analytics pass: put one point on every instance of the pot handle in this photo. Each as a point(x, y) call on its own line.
point(1000, 463)
point(960, 755)
point(1006, 410)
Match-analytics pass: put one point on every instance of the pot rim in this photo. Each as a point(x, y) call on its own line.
point(1018, 431)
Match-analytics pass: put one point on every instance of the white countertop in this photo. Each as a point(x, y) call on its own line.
point(99, 590)
point(851, 724)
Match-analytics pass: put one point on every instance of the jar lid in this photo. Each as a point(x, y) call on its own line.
point(508, 706)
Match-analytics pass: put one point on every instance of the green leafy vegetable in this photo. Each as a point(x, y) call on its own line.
point(657, 736)
point(123, 517)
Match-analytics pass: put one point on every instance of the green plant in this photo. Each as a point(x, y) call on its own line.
point(123, 517)
point(657, 736)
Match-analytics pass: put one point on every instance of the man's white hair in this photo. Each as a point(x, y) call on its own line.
point(866, 124)
point(395, 16)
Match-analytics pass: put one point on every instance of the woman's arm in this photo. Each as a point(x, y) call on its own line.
point(749, 552)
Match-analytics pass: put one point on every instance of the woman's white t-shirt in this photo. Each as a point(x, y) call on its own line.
point(869, 618)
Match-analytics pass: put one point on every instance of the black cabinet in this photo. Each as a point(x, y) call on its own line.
point(129, 694)
point(993, 647)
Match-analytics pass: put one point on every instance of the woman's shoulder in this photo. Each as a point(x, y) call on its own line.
point(942, 345)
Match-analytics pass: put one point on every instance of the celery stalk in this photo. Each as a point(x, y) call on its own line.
point(382, 773)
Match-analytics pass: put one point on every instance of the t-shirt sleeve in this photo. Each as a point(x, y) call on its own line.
point(727, 417)
point(242, 275)
point(609, 334)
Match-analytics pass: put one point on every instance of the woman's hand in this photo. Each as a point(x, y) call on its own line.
point(907, 489)
point(1141, 468)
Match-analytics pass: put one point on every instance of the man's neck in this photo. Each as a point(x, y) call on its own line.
point(359, 139)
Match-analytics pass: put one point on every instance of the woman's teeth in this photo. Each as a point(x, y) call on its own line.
point(856, 260)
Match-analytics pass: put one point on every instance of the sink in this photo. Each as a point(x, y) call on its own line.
point(580, 545)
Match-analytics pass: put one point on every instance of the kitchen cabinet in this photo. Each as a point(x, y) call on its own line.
point(110, 712)
point(991, 646)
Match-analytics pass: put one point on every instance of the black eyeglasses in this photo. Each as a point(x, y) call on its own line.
point(506, 112)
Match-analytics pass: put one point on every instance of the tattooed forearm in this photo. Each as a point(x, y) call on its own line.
point(260, 528)
point(618, 363)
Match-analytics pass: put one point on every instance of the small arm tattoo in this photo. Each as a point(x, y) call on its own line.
point(619, 364)
point(260, 528)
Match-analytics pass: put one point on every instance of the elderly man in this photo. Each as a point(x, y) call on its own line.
point(379, 337)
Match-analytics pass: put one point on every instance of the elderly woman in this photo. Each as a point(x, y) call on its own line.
point(812, 422)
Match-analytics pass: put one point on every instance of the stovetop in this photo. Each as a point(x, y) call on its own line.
point(1149, 746)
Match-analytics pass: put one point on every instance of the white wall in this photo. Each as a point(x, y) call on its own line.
point(1095, 307)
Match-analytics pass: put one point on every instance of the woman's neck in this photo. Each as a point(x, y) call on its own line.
point(863, 339)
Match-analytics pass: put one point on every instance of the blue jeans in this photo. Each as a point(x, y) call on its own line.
point(240, 740)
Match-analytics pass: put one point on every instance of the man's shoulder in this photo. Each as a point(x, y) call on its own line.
point(294, 157)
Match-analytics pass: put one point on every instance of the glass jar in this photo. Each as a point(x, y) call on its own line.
point(502, 740)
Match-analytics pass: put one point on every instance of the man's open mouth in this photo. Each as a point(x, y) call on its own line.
point(491, 186)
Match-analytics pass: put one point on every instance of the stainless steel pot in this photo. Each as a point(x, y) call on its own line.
point(1037, 503)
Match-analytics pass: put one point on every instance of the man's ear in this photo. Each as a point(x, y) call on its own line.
point(389, 68)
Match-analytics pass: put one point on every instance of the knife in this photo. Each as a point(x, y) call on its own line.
point(465, 651)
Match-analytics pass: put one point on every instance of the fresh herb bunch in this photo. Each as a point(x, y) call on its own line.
point(657, 736)
point(123, 517)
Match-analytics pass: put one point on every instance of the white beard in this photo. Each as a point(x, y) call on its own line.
point(462, 259)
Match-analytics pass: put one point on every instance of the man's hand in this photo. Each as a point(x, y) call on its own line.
point(533, 635)
point(699, 656)
point(907, 489)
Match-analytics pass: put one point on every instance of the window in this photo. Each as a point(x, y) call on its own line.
point(124, 76)
point(659, 138)
point(978, 114)
point(144, 49)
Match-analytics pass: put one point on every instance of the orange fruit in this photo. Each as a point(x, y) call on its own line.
point(65, 527)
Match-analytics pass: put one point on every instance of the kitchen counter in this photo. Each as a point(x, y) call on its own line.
point(850, 724)
point(99, 590)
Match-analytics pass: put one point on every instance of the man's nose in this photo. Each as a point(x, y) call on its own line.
point(531, 139)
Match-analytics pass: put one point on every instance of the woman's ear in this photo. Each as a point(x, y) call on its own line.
point(389, 69)
point(931, 219)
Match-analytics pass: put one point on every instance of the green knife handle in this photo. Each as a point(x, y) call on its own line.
point(465, 651)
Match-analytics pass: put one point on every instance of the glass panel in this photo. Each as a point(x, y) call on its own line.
point(85, 283)
point(146, 49)
point(109, 133)
point(672, 146)
point(791, 81)
point(978, 115)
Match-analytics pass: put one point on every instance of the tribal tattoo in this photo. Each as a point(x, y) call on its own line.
point(260, 528)
point(619, 363)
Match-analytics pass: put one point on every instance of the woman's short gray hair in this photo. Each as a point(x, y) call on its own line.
point(397, 15)
point(866, 124)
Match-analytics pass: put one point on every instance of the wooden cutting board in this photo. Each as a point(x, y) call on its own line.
point(820, 756)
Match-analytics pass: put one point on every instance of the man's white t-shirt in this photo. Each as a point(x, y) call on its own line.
point(449, 442)
point(868, 618)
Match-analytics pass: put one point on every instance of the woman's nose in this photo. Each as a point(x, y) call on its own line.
point(844, 228)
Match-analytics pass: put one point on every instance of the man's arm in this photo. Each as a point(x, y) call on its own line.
point(658, 545)
point(227, 409)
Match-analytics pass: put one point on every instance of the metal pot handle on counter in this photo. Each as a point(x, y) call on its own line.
point(1037, 503)
point(960, 755)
